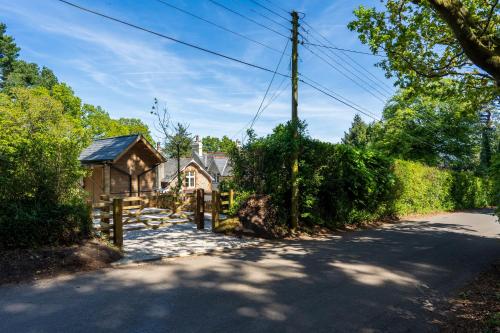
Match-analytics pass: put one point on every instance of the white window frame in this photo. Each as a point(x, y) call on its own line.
point(190, 179)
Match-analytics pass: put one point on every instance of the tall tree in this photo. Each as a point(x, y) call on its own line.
point(176, 137)
point(430, 128)
point(357, 136)
point(8, 53)
point(432, 39)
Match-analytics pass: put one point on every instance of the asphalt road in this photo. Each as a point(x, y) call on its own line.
point(390, 279)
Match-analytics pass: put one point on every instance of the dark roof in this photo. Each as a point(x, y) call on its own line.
point(107, 149)
point(170, 167)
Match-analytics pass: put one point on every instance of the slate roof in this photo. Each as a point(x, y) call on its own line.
point(108, 149)
point(170, 167)
point(212, 163)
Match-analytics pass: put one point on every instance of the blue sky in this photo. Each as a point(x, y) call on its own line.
point(123, 70)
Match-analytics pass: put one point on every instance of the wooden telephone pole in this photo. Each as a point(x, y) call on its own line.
point(295, 122)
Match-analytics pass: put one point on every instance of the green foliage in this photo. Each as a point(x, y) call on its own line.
point(99, 124)
point(8, 53)
point(340, 184)
point(214, 144)
point(177, 145)
point(429, 128)
point(43, 128)
point(40, 200)
point(358, 134)
point(423, 189)
point(495, 179)
point(428, 40)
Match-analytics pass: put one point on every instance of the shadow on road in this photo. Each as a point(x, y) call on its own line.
point(385, 280)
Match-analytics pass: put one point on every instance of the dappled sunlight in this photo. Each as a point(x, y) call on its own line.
point(374, 275)
point(366, 278)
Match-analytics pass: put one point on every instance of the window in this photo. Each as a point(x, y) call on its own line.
point(190, 179)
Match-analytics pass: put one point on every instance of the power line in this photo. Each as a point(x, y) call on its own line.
point(218, 26)
point(338, 99)
point(247, 18)
point(269, 86)
point(337, 94)
point(376, 87)
point(170, 38)
point(270, 10)
point(359, 110)
point(260, 109)
point(345, 50)
point(347, 76)
point(270, 19)
point(276, 6)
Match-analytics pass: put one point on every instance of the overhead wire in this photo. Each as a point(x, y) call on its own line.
point(246, 18)
point(345, 75)
point(259, 110)
point(170, 38)
point(361, 111)
point(217, 25)
point(363, 78)
point(337, 94)
point(270, 19)
point(270, 10)
point(343, 52)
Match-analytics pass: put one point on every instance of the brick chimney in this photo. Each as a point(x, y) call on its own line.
point(197, 146)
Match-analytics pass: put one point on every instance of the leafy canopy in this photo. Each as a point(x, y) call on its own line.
point(426, 40)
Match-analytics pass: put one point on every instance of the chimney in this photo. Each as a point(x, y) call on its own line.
point(197, 146)
point(158, 146)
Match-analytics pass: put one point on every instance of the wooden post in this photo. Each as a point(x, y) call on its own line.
point(118, 222)
point(215, 209)
point(231, 198)
point(107, 179)
point(200, 209)
point(105, 213)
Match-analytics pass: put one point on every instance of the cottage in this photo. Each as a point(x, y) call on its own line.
point(121, 166)
point(201, 170)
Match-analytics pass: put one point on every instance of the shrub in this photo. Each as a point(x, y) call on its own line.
point(41, 202)
point(341, 185)
point(421, 189)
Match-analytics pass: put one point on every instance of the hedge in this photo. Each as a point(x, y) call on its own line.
point(422, 189)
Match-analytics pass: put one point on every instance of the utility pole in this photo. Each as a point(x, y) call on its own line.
point(295, 122)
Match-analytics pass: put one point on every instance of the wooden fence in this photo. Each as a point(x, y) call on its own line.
point(130, 210)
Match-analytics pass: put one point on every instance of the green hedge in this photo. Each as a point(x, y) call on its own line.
point(28, 224)
point(342, 185)
point(423, 189)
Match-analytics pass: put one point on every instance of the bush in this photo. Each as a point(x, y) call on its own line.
point(342, 185)
point(495, 179)
point(421, 189)
point(41, 201)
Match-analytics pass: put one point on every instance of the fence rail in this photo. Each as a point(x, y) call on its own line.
point(115, 213)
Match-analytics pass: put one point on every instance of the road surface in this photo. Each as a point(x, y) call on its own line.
point(390, 279)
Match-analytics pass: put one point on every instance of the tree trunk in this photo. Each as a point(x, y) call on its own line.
point(179, 179)
point(466, 31)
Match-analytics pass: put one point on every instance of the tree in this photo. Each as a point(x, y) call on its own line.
point(431, 129)
point(214, 144)
point(8, 54)
point(99, 124)
point(41, 200)
point(357, 136)
point(178, 145)
point(427, 40)
point(211, 143)
point(176, 137)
